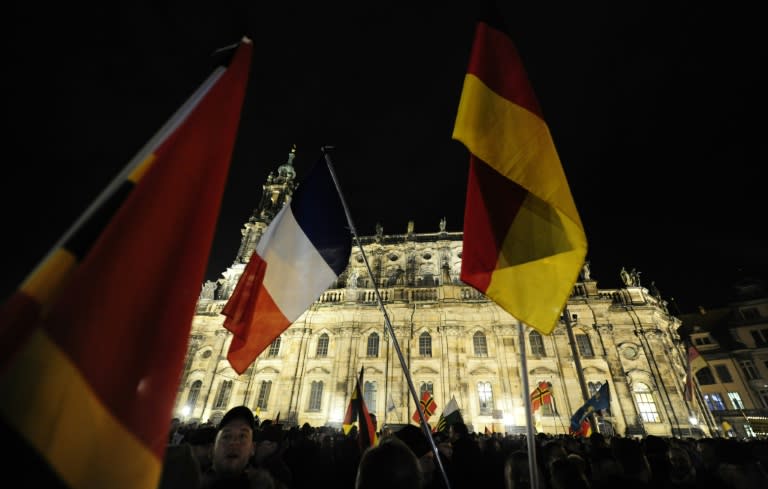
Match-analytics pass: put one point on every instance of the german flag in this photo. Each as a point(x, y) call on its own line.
point(357, 411)
point(93, 341)
point(524, 243)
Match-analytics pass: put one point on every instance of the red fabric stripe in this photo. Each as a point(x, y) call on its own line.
point(253, 317)
point(496, 62)
point(492, 203)
point(125, 318)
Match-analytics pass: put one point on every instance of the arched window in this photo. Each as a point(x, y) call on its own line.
point(481, 346)
point(369, 395)
point(425, 387)
point(645, 403)
point(585, 347)
point(194, 392)
point(222, 398)
point(315, 396)
point(537, 344)
point(373, 345)
point(485, 396)
point(322, 345)
point(274, 348)
point(425, 345)
point(266, 386)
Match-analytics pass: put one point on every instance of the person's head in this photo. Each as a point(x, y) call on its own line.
point(458, 430)
point(516, 470)
point(389, 464)
point(201, 440)
point(233, 447)
point(267, 441)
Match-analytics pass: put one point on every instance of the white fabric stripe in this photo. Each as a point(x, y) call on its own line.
point(296, 273)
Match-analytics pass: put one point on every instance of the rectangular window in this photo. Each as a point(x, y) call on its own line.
point(736, 400)
point(749, 369)
point(723, 373)
point(714, 401)
point(485, 396)
point(750, 313)
point(759, 341)
point(537, 344)
point(315, 396)
point(647, 407)
point(369, 395)
point(764, 397)
point(266, 386)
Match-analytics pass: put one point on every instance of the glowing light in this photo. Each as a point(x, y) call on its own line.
point(185, 411)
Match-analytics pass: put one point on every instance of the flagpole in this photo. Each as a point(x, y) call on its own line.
point(532, 465)
point(577, 361)
point(412, 389)
point(171, 124)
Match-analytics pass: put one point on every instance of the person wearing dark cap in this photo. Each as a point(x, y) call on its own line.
point(232, 451)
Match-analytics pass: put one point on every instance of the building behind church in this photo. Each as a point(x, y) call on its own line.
point(454, 341)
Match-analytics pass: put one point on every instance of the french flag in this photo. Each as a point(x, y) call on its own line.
point(304, 249)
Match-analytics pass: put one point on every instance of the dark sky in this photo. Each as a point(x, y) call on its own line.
point(658, 117)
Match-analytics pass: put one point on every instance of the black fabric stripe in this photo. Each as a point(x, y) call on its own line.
point(24, 465)
point(86, 235)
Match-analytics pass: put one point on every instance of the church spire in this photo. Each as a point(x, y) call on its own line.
point(276, 192)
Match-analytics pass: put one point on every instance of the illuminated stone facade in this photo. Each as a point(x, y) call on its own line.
point(454, 341)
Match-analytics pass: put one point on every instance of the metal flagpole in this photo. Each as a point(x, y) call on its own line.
point(419, 409)
point(532, 465)
point(577, 361)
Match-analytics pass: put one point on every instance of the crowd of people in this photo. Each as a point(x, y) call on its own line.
point(244, 452)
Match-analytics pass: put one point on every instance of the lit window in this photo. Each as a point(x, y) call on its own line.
point(485, 396)
point(736, 400)
point(369, 395)
point(481, 346)
point(645, 404)
point(194, 392)
point(714, 401)
point(322, 345)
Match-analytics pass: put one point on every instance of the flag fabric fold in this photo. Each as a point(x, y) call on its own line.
point(695, 363)
point(357, 412)
point(542, 394)
point(390, 403)
point(450, 415)
point(90, 382)
point(524, 242)
point(303, 250)
point(599, 401)
point(428, 405)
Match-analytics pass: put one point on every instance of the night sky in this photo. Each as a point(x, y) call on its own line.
point(658, 117)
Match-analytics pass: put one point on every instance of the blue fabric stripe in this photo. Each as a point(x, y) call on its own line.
point(317, 208)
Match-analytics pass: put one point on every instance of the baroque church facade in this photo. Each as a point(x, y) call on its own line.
point(454, 341)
